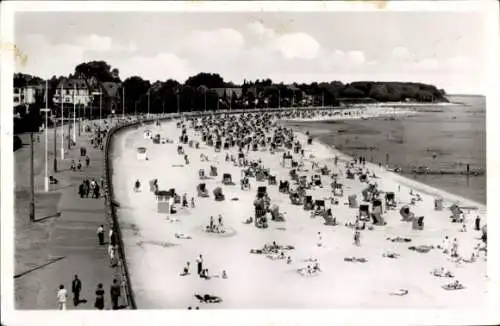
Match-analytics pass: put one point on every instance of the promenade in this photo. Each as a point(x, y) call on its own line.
point(65, 228)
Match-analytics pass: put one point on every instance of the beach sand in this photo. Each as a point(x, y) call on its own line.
point(156, 257)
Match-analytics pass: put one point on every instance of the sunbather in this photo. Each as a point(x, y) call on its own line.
point(399, 292)
point(453, 286)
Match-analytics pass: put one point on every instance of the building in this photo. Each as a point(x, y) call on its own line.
point(112, 97)
point(24, 95)
point(70, 90)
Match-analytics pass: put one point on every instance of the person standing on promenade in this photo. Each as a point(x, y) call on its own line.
point(477, 223)
point(115, 293)
point(76, 288)
point(87, 161)
point(100, 234)
point(99, 299)
point(62, 295)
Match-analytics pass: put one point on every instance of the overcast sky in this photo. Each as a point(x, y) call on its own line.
point(445, 49)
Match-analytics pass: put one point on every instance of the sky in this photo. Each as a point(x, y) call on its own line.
point(446, 49)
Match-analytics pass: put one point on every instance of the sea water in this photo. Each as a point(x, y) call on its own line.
point(438, 137)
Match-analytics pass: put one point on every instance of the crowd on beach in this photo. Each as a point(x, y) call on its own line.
point(253, 132)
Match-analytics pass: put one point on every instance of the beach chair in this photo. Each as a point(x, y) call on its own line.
point(338, 189)
point(227, 179)
point(405, 213)
point(325, 170)
point(276, 215)
point(201, 174)
point(316, 179)
point(261, 192)
point(364, 212)
point(319, 207)
point(438, 204)
point(308, 203)
point(303, 182)
point(202, 190)
point(271, 180)
point(213, 171)
point(295, 199)
point(418, 223)
point(353, 203)
point(218, 145)
point(349, 174)
point(284, 187)
point(162, 205)
point(329, 219)
point(218, 194)
point(390, 200)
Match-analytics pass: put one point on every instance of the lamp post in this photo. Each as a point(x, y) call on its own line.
point(100, 106)
point(32, 179)
point(62, 124)
point(74, 115)
point(123, 103)
point(46, 110)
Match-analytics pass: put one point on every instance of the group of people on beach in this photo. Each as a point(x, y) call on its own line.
point(201, 270)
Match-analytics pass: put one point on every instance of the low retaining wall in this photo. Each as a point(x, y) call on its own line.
point(109, 198)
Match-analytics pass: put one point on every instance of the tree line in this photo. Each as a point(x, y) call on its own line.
point(199, 92)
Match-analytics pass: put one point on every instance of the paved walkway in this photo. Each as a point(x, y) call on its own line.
point(71, 235)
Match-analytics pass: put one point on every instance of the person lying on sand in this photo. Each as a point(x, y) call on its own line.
point(399, 239)
point(421, 249)
point(453, 286)
point(182, 236)
point(355, 260)
point(442, 272)
point(390, 254)
point(207, 298)
point(400, 292)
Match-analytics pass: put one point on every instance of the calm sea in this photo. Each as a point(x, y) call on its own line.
point(438, 137)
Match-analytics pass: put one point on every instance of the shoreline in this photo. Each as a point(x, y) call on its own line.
point(319, 132)
point(415, 184)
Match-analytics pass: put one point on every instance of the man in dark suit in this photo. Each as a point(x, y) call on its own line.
point(76, 288)
point(115, 293)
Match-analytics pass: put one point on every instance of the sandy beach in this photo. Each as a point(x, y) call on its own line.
point(157, 257)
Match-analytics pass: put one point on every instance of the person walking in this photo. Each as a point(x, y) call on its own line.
point(100, 234)
point(357, 238)
point(320, 240)
point(115, 293)
point(62, 295)
point(76, 288)
point(99, 299)
point(87, 161)
point(111, 253)
point(477, 223)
